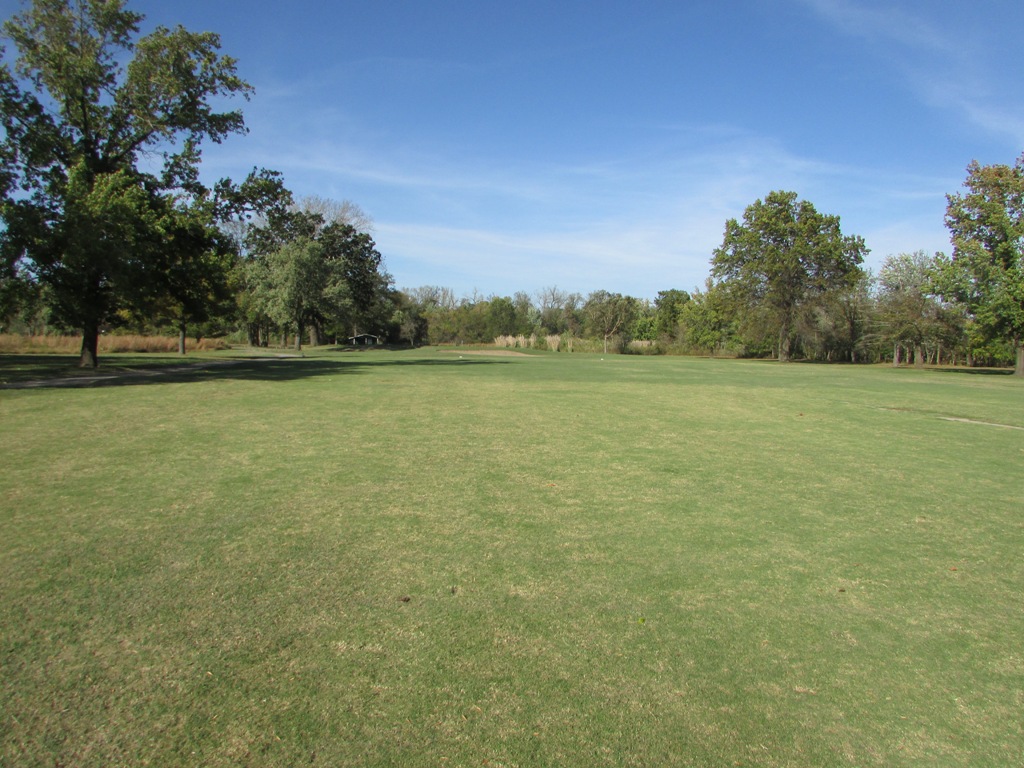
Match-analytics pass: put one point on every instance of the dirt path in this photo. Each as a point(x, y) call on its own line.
point(983, 423)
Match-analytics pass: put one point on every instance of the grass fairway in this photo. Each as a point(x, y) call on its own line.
point(417, 559)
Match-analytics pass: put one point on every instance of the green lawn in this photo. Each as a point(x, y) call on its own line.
point(422, 559)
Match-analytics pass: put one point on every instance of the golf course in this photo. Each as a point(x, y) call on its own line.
point(469, 557)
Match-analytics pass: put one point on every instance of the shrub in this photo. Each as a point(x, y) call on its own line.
point(642, 347)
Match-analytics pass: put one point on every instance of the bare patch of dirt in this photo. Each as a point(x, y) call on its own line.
point(983, 423)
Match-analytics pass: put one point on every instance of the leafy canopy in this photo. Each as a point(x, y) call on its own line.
point(306, 272)
point(101, 130)
point(783, 255)
point(986, 273)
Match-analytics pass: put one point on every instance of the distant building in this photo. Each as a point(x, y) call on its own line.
point(363, 340)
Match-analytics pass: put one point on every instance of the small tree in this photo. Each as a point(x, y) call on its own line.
point(194, 271)
point(668, 312)
point(608, 314)
point(704, 320)
point(501, 317)
point(408, 316)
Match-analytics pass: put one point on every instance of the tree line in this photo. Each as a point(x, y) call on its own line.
point(892, 316)
point(106, 224)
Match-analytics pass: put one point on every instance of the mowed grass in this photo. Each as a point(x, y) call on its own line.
point(422, 559)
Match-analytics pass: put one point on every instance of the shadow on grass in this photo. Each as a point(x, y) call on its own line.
point(975, 371)
point(908, 367)
point(56, 372)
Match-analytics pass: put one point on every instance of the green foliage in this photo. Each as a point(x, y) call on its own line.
point(303, 273)
point(409, 318)
point(986, 273)
point(908, 311)
point(706, 322)
point(558, 311)
point(298, 285)
point(501, 318)
point(668, 312)
point(608, 315)
point(782, 256)
point(644, 325)
point(836, 327)
point(84, 101)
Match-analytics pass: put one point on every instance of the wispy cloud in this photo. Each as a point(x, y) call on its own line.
point(654, 226)
point(639, 220)
point(947, 66)
point(638, 213)
point(889, 23)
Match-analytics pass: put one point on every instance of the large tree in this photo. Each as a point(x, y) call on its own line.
point(84, 102)
point(311, 275)
point(192, 272)
point(908, 312)
point(299, 286)
point(782, 256)
point(986, 273)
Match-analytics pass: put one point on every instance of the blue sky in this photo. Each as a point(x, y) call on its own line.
point(505, 146)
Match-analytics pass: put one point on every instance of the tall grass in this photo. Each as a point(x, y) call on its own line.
point(642, 347)
point(11, 343)
point(550, 342)
point(516, 342)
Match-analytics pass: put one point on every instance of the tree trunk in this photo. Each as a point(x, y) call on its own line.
point(918, 356)
point(895, 355)
point(1019, 370)
point(298, 337)
point(90, 357)
point(181, 337)
point(784, 347)
point(314, 335)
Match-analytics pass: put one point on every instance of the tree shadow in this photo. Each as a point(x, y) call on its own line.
point(975, 371)
point(15, 369)
point(54, 372)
